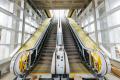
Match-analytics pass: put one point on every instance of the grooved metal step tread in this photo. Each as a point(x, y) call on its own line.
point(49, 45)
point(72, 51)
point(46, 58)
point(74, 60)
point(44, 63)
point(78, 67)
point(47, 54)
point(73, 57)
point(47, 51)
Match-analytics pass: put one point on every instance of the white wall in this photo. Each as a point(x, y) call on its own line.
point(11, 25)
point(108, 25)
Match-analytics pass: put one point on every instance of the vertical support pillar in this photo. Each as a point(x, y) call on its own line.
point(23, 23)
point(95, 21)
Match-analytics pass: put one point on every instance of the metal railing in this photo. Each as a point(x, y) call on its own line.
point(24, 61)
point(100, 69)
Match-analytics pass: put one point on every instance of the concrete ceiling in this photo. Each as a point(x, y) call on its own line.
point(60, 4)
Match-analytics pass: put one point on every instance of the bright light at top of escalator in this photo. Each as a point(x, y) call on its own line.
point(59, 13)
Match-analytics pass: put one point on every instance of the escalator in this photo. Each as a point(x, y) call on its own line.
point(44, 64)
point(76, 65)
point(41, 68)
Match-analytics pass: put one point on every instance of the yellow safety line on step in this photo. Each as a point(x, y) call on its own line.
point(72, 75)
point(41, 68)
point(39, 73)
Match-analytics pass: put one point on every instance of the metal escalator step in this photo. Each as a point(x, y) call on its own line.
point(50, 48)
point(78, 68)
point(46, 58)
point(43, 65)
point(44, 62)
point(41, 71)
point(47, 51)
point(49, 45)
point(47, 54)
point(73, 57)
point(51, 40)
point(53, 36)
point(74, 61)
point(72, 53)
point(68, 37)
point(48, 42)
point(71, 48)
point(69, 44)
point(44, 53)
point(41, 68)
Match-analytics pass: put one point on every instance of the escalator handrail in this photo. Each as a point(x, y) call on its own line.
point(40, 38)
point(107, 62)
point(83, 46)
point(39, 41)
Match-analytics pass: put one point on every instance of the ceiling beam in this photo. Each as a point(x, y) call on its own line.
point(60, 4)
point(60, 7)
point(70, 12)
point(47, 13)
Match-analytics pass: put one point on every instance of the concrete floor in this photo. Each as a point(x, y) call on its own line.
point(8, 76)
point(111, 76)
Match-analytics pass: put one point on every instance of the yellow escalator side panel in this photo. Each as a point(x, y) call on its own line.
point(31, 42)
point(97, 61)
point(83, 36)
point(89, 43)
point(23, 62)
